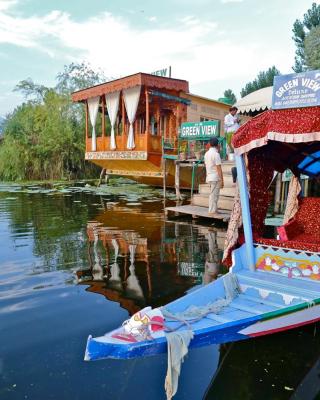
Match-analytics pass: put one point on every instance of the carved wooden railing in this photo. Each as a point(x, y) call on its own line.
point(143, 142)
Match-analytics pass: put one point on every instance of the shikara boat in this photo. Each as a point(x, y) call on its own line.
point(273, 284)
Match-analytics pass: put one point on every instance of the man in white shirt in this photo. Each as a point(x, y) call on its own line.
point(212, 162)
point(231, 125)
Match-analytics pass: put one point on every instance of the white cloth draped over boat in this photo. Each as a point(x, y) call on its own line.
point(131, 100)
point(178, 347)
point(112, 103)
point(93, 106)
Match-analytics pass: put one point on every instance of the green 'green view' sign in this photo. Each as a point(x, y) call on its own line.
point(199, 130)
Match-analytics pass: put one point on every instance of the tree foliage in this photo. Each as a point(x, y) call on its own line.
point(312, 48)
point(264, 79)
point(228, 94)
point(301, 29)
point(44, 137)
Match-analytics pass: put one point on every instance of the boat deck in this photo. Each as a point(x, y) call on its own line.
point(261, 294)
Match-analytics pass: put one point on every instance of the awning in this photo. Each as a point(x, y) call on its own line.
point(259, 100)
point(297, 125)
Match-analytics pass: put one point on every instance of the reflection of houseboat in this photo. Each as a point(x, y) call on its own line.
point(129, 119)
point(127, 267)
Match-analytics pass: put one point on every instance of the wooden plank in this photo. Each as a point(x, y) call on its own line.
point(198, 211)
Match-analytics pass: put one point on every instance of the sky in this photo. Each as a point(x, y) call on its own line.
point(214, 44)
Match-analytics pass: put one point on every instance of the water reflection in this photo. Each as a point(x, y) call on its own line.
point(274, 367)
point(127, 267)
point(119, 248)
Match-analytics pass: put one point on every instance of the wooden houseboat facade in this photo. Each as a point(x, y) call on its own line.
point(128, 120)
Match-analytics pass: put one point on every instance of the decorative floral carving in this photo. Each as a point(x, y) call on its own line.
point(116, 155)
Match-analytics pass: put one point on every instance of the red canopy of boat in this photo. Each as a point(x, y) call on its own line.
point(295, 125)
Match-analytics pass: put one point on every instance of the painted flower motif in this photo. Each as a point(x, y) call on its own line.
point(315, 269)
point(284, 270)
point(306, 272)
point(296, 271)
point(268, 261)
point(275, 266)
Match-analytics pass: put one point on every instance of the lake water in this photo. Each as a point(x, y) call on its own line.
point(76, 261)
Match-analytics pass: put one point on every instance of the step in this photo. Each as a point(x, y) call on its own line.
point(226, 191)
point(225, 203)
point(228, 183)
point(226, 169)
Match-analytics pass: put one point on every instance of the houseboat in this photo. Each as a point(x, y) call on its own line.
point(132, 121)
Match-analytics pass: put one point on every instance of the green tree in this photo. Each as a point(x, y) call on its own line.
point(78, 76)
point(264, 79)
point(43, 137)
point(301, 29)
point(312, 48)
point(228, 94)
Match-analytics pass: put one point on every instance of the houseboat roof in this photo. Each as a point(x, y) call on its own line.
point(208, 99)
point(139, 79)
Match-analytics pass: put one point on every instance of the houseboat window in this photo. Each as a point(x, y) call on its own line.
point(202, 119)
point(154, 126)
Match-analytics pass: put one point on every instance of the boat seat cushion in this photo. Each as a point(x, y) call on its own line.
point(302, 232)
point(290, 230)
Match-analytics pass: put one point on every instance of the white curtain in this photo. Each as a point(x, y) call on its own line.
point(131, 100)
point(93, 105)
point(112, 102)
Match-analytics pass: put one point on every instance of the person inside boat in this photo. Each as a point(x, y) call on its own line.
point(214, 177)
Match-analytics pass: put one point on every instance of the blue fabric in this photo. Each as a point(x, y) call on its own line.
point(310, 165)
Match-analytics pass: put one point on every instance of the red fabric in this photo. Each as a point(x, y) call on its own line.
point(307, 238)
point(291, 244)
point(260, 175)
point(292, 121)
point(308, 216)
point(290, 230)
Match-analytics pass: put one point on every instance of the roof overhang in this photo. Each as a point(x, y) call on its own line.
point(139, 79)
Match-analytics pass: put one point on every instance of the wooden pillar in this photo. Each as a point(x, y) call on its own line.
point(123, 115)
point(87, 122)
point(164, 170)
point(245, 206)
point(147, 110)
point(102, 173)
point(103, 121)
point(147, 120)
point(177, 180)
point(277, 195)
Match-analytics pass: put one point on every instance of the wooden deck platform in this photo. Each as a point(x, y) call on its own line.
point(198, 211)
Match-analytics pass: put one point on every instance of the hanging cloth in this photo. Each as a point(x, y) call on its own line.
point(178, 344)
point(93, 105)
point(292, 199)
point(234, 225)
point(112, 103)
point(131, 100)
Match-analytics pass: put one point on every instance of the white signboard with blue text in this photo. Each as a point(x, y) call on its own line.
point(296, 90)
